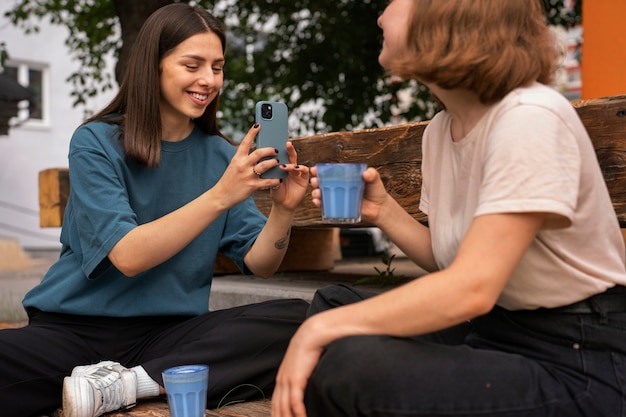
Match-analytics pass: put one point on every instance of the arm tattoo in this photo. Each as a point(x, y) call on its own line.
point(281, 244)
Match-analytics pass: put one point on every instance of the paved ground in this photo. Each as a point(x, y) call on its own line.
point(15, 283)
point(227, 290)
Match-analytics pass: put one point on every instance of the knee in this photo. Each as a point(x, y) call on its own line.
point(290, 312)
point(293, 309)
point(346, 362)
point(334, 296)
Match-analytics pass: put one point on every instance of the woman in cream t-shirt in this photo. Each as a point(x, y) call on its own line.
point(523, 312)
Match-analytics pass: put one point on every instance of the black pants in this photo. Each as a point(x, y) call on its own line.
point(507, 363)
point(241, 345)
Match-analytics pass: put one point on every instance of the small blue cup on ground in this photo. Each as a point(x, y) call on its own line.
point(186, 388)
point(342, 188)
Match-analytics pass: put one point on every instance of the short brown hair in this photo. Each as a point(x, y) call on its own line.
point(136, 106)
point(489, 47)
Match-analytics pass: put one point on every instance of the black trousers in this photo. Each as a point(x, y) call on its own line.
point(243, 347)
point(541, 363)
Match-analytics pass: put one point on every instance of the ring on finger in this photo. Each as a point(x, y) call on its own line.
point(255, 171)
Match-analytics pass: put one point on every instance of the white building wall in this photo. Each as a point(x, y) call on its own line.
point(31, 148)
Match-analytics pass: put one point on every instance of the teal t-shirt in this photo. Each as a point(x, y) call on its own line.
point(109, 196)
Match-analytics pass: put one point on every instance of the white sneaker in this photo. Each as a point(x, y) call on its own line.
point(93, 390)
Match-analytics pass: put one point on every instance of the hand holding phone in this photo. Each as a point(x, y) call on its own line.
point(274, 133)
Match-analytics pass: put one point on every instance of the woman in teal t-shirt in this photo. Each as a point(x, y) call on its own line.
point(157, 191)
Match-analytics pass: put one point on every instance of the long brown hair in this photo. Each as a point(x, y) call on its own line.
point(135, 108)
point(489, 47)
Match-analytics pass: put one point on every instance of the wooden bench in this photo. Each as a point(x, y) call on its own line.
point(396, 153)
point(159, 408)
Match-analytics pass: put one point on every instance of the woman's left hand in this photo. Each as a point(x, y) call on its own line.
point(297, 366)
point(290, 192)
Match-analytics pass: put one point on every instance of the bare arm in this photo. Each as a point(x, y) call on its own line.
point(153, 243)
point(470, 287)
point(382, 210)
point(268, 251)
point(411, 237)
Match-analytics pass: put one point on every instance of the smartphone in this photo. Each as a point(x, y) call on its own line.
point(274, 133)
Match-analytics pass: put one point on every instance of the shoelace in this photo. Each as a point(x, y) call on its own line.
point(108, 382)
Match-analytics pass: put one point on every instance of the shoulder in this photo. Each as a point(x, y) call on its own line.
point(440, 122)
point(542, 111)
point(99, 128)
point(538, 98)
point(441, 117)
point(94, 135)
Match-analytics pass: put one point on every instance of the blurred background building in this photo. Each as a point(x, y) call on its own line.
point(38, 136)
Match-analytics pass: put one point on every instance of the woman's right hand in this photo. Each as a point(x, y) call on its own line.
point(374, 196)
point(242, 176)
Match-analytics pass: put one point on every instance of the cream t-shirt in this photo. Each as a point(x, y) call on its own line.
point(529, 153)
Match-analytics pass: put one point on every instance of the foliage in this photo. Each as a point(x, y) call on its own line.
point(319, 56)
point(384, 277)
point(559, 15)
point(93, 33)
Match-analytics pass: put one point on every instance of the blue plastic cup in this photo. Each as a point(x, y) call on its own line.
point(342, 188)
point(186, 388)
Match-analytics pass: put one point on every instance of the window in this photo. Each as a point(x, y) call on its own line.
point(35, 77)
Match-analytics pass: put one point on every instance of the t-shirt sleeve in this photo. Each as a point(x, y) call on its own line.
point(243, 224)
point(100, 204)
point(531, 167)
point(424, 202)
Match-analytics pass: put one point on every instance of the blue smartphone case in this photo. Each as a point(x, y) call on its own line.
point(274, 133)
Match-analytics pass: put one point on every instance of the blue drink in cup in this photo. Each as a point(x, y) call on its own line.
point(342, 188)
point(186, 388)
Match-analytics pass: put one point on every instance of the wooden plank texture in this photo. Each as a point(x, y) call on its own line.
point(159, 408)
point(310, 249)
point(260, 408)
point(54, 190)
point(605, 121)
point(395, 151)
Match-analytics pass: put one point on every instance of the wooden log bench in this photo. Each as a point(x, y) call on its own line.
point(396, 153)
point(159, 408)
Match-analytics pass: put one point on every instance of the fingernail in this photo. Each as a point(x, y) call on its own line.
point(297, 166)
point(283, 165)
point(255, 125)
point(275, 150)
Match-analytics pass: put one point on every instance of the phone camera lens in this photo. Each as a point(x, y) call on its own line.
point(266, 111)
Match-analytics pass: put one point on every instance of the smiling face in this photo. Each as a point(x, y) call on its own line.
point(395, 25)
point(192, 75)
